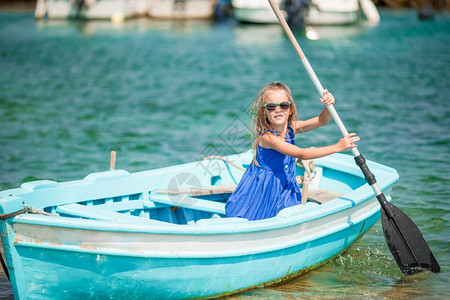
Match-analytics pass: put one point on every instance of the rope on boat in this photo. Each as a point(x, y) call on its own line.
point(19, 212)
point(27, 209)
point(308, 165)
point(308, 175)
point(225, 160)
point(36, 211)
point(2, 218)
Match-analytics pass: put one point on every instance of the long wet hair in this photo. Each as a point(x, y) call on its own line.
point(260, 122)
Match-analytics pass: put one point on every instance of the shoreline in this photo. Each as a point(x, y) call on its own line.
point(17, 6)
point(438, 5)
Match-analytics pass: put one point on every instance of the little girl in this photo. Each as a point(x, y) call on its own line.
point(269, 184)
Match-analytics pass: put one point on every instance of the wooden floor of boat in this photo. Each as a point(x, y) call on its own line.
point(319, 196)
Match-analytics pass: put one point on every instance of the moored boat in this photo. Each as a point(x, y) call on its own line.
point(313, 12)
point(332, 12)
point(255, 11)
point(182, 9)
point(115, 10)
point(164, 233)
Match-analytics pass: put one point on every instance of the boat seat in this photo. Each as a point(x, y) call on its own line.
point(319, 196)
point(183, 200)
point(95, 213)
point(201, 191)
point(222, 221)
point(322, 196)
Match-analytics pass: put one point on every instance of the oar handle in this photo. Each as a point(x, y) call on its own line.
point(310, 71)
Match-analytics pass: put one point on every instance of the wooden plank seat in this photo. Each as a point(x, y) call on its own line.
point(201, 191)
point(127, 205)
point(178, 198)
point(183, 200)
point(97, 213)
point(322, 196)
point(319, 196)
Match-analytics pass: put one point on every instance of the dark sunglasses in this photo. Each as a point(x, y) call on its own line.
point(272, 106)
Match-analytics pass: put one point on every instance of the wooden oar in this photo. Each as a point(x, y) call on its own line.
point(404, 239)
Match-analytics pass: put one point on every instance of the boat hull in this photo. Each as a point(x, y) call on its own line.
point(315, 17)
point(91, 9)
point(101, 268)
point(190, 9)
point(332, 12)
point(320, 12)
point(255, 11)
point(255, 16)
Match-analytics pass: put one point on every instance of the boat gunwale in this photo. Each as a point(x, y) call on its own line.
point(287, 217)
point(182, 253)
point(311, 211)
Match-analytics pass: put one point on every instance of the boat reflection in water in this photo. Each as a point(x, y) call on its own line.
point(334, 32)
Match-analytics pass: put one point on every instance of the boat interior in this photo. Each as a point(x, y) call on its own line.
point(167, 206)
point(180, 204)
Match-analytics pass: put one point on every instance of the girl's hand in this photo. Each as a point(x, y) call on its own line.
point(347, 142)
point(328, 98)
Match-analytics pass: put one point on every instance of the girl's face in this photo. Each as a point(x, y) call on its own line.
point(278, 117)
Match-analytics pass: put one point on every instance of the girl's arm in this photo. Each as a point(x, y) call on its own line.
point(322, 119)
point(271, 141)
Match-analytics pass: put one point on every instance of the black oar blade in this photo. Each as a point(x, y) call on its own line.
point(406, 242)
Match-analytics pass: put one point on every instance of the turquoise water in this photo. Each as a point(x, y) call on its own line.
point(164, 93)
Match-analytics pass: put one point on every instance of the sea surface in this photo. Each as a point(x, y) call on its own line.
point(162, 93)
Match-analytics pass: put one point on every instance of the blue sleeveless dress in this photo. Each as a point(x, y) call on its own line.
point(266, 189)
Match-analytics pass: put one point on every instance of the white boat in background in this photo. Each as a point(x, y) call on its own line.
point(255, 11)
point(370, 11)
point(318, 12)
point(332, 12)
point(340, 12)
point(115, 10)
point(182, 9)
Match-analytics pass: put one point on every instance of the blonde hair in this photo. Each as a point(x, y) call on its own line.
point(260, 121)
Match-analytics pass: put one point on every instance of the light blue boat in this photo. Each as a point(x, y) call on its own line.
point(162, 233)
